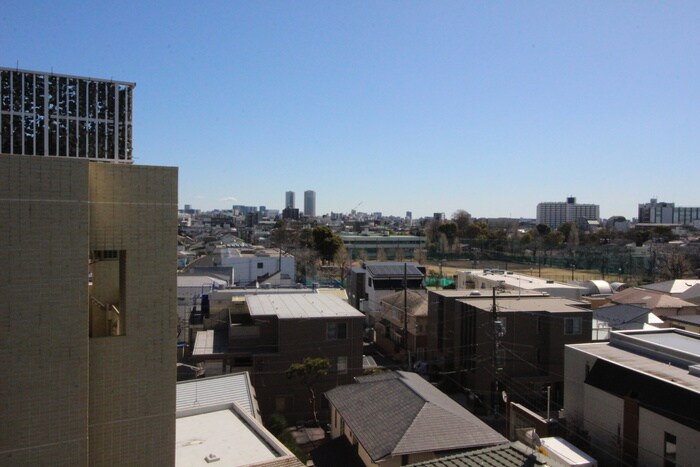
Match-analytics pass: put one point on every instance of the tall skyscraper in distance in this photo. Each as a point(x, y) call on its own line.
point(289, 200)
point(87, 291)
point(310, 203)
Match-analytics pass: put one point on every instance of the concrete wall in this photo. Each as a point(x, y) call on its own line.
point(43, 311)
point(66, 398)
point(651, 439)
point(131, 377)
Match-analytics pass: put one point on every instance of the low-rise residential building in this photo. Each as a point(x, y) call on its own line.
point(401, 325)
point(365, 246)
point(620, 318)
point(397, 418)
point(519, 348)
point(660, 303)
point(635, 400)
point(481, 279)
point(368, 284)
point(218, 421)
point(266, 333)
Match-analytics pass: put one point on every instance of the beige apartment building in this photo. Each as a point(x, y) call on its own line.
point(88, 281)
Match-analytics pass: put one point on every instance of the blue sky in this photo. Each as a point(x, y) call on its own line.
point(413, 106)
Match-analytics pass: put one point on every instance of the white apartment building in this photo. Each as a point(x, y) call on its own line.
point(554, 214)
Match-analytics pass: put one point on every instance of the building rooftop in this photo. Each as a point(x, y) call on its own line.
point(529, 304)
point(664, 354)
point(691, 319)
point(393, 269)
point(199, 281)
point(296, 306)
point(226, 435)
point(677, 286)
point(217, 390)
point(521, 281)
point(507, 455)
point(392, 414)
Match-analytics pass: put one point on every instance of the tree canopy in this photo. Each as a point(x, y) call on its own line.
point(326, 242)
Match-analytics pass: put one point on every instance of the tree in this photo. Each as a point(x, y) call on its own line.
point(342, 261)
point(326, 242)
point(543, 229)
point(673, 263)
point(309, 371)
point(381, 254)
point(449, 229)
point(420, 256)
point(462, 219)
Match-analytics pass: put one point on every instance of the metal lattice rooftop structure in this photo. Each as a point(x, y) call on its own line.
point(49, 114)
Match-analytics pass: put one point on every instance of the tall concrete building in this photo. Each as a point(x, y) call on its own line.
point(289, 200)
point(88, 283)
point(655, 212)
point(554, 214)
point(310, 203)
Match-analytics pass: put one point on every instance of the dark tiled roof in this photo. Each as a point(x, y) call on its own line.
point(393, 270)
point(497, 456)
point(400, 413)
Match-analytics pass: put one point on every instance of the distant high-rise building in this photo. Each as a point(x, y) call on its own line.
point(555, 214)
point(88, 329)
point(289, 199)
point(655, 212)
point(310, 203)
point(409, 217)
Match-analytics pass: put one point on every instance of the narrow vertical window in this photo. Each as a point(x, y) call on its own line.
point(669, 450)
point(107, 288)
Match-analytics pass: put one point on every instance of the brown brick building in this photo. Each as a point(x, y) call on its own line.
point(519, 350)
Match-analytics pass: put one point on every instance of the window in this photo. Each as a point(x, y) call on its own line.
point(336, 331)
point(669, 450)
point(260, 265)
point(341, 366)
point(572, 326)
point(107, 289)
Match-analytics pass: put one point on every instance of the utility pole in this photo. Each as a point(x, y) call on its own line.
point(498, 332)
point(405, 316)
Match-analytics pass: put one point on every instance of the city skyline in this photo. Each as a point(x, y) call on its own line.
point(491, 108)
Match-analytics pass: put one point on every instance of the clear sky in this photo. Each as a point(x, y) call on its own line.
point(402, 106)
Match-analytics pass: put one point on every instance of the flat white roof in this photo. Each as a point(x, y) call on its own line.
point(204, 343)
point(521, 281)
point(226, 434)
point(186, 280)
point(295, 306)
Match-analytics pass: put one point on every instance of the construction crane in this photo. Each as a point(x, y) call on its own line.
point(357, 206)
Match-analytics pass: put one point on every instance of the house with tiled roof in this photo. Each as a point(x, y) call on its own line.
point(399, 418)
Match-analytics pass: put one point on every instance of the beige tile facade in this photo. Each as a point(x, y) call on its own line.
point(66, 397)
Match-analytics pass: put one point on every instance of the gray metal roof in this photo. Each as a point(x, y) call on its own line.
point(295, 306)
point(400, 413)
point(217, 390)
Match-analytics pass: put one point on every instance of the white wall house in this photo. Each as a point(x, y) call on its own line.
point(636, 398)
point(258, 264)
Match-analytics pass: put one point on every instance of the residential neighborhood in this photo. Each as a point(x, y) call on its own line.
point(345, 235)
